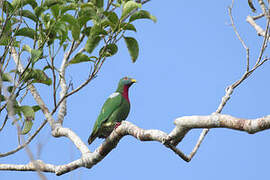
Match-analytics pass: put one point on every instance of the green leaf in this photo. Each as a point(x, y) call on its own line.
point(62, 29)
point(10, 88)
point(128, 26)
point(2, 98)
point(92, 43)
point(86, 31)
point(36, 76)
point(7, 7)
point(50, 3)
point(55, 10)
point(6, 77)
point(94, 38)
point(41, 77)
point(80, 57)
point(97, 30)
point(27, 32)
point(29, 14)
point(142, 14)
point(112, 16)
point(98, 3)
point(27, 126)
point(6, 41)
point(38, 10)
point(28, 112)
point(75, 27)
point(35, 54)
point(26, 48)
point(128, 7)
point(133, 48)
point(86, 13)
point(71, 6)
point(36, 108)
point(21, 3)
point(109, 50)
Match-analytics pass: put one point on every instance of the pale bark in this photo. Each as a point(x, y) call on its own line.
point(183, 125)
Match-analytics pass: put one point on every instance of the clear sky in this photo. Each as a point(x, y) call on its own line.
point(186, 61)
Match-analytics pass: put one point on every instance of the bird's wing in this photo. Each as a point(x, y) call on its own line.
point(110, 105)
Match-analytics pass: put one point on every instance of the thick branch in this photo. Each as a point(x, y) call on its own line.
point(217, 120)
point(183, 125)
point(89, 159)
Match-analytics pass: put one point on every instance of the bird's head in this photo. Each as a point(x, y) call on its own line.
point(125, 82)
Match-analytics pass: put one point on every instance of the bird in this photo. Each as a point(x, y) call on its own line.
point(115, 109)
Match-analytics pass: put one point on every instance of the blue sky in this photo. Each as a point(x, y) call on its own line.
point(186, 61)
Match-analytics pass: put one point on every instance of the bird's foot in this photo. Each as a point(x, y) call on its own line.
point(117, 124)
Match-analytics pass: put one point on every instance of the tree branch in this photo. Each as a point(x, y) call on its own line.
point(183, 125)
point(63, 105)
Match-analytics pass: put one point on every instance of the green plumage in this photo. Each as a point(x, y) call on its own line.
point(115, 109)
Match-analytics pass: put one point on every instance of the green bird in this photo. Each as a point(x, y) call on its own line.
point(115, 109)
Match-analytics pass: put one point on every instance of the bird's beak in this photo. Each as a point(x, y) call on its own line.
point(133, 80)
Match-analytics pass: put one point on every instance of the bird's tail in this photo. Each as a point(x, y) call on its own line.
point(92, 137)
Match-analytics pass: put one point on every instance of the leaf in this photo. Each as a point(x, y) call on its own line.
point(92, 43)
point(86, 13)
point(41, 77)
point(7, 6)
point(5, 41)
point(50, 3)
point(86, 31)
point(112, 16)
point(2, 98)
point(10, 88)
point(128, 26)
point(128, 7)
point(109, 50)
point(142, 14)
point(94, 38)
point(27, 126)
point(6, 77)
point(97, 30)
point(36, 76)
point(98, 3)
point(39, 10)
point(133, 48)
point(251, 6)
point(26, 48)
point(35, 54)
point(75, 27)
point(29, 14)
point(80, 57)
point(28, 112)
point(36, 108)
point(27, 32)
point(62, 29)
point(71, 6)
point(21, 3)
point(55, 10)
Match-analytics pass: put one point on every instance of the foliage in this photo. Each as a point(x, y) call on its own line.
point(38, 31)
